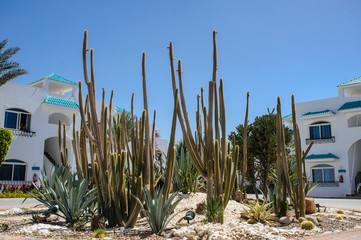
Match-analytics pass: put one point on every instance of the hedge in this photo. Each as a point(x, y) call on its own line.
point(5, 141)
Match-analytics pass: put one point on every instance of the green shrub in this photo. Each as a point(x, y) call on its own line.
point(66, 190)
point(5, 142)
point(158, 209)
point(100, 233)
point(308, 225)
point(338, 217)
point(340, 211)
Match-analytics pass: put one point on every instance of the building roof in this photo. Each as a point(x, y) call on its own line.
point(317, 113)
point(61, 102)
point(56, 77)
point(289, 116)
point(321, 156)
point(353, 81)
point(350, 105)
point(120, 110)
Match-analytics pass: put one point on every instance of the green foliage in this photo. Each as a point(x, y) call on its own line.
point(158, 209)
point(128, 124)
point(261, 147)
point(186, 174)
point(35, 218)
point(308, 225)
point(8, 69)
point(338, 217)
point(258, 213)
point(214, 210)
point(17, 194)
point(5, 142)
point(64, 189)
point(4, 226)
point(100, 233)
point(340, 211)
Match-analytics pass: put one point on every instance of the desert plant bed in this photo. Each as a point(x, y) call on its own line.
point(20, 223)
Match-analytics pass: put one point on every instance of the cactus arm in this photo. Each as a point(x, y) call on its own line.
point(170, 154)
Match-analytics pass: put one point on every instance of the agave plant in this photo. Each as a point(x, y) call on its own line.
point(158, 209)
point(258, 213)
point(214, 210)
point(66, 190)
point(186, 174)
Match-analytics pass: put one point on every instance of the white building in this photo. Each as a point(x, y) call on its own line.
point(334, 124)
point(33, 112)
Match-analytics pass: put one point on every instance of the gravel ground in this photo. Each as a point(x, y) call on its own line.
point(21, 225)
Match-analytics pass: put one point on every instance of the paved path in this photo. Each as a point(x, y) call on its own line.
point(6, 203)
point(354, 234)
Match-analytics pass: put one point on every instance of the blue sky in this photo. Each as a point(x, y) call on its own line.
point(270, 48)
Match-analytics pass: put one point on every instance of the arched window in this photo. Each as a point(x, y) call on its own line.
point(13, 170)
point(320, 130)
point(55, 117)
point(17, 119)
point(354, 121)
point(323, 173)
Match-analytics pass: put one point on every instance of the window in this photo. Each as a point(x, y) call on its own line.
point(17, 119)
point(320, 130)
point(323, 173)
point(13, 170)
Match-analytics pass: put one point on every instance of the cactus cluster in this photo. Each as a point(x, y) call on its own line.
point(208, 148)
point(307, 225)
point(284, 185)
point(120, 167)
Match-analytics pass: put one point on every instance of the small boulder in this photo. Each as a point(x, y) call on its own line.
point(319, 219)
point(301, 219)
point(285, 220)
point(97, 221)
point(312, 219)
point(238, 195)
point(310, 206)
point(295, 221)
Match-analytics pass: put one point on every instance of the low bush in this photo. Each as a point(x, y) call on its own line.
point(340, 211)
point(5, 142)
point(308, 225)
point(338, 217)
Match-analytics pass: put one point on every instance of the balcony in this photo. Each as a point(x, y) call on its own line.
point(320, 140)
point(23, 133)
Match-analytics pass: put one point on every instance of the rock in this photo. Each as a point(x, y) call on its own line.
point(192, 238)
point(295, 221)
point(312, 219)
point(310, 206)
point(201, 207)
point(319, 219)
point(285, 220)
point(301, 219)
point(274, 218)
point(97, 221)
point(238, 195)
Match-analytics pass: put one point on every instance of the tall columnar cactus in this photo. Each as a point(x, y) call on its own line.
point(208, 148)
point(284, 185)
point(121, 167)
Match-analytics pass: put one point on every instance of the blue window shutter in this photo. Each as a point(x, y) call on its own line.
point(315, 132)
point(326, 131)
point(10, 120)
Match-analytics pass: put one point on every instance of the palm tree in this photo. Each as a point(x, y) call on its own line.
point(8, 69)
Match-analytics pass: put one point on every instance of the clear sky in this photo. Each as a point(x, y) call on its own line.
point(270, 48)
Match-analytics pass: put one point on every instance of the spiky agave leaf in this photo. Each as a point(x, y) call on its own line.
point(158, 210)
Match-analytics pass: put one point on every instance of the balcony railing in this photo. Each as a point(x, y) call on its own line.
point(320, 140)
point(23, 133)
point(327, 184)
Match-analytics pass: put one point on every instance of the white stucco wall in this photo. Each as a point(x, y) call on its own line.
point(345, 137)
